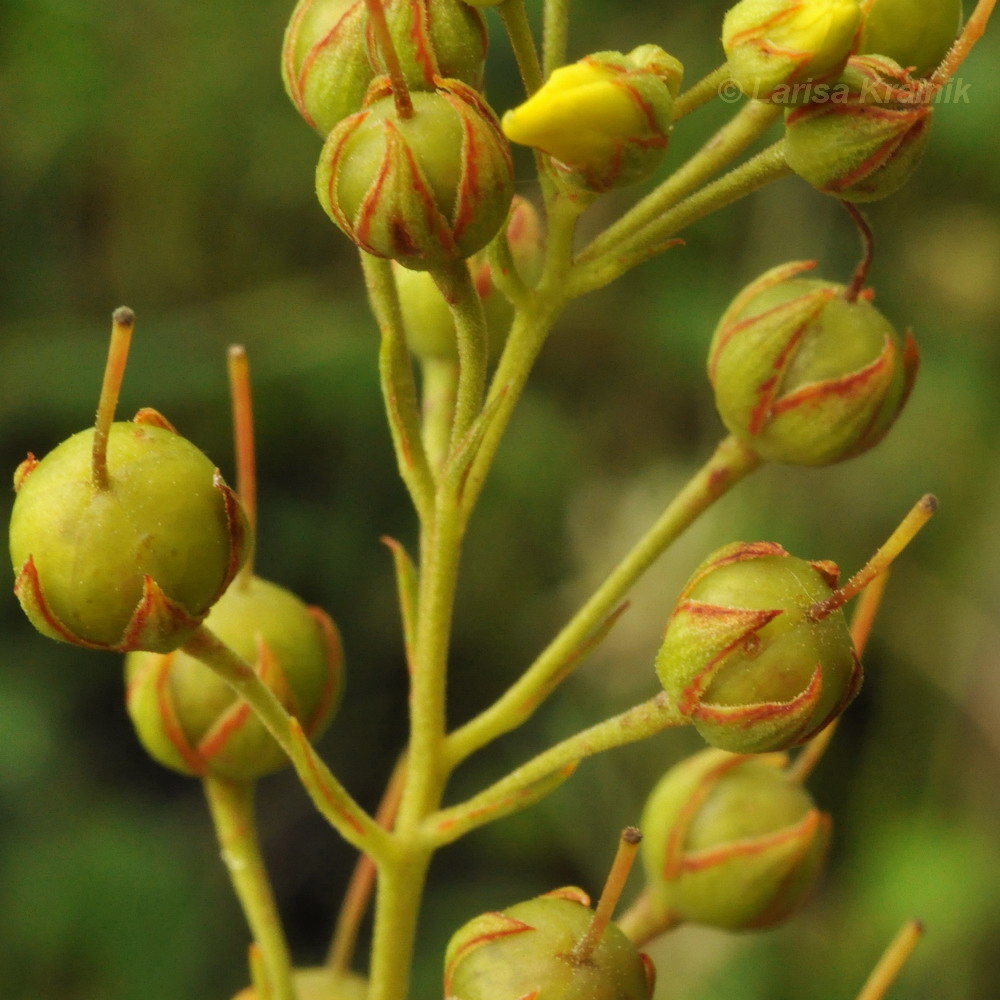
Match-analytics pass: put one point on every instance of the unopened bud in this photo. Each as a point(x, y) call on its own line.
point(604, 120)
point(865, 145)
point(324, 60)
point(745, 658)
point(434, 38)
point(527, 950)
point(191, 721)
point(426, 190)
point(773, 43)
point(135, 563)
point(803, 374)
point(731, 842)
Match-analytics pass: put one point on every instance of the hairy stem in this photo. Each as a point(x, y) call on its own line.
point(515, 20)
point(455, 284)
point(748, 125)
point(767, 166)
point(330, 797)
point(555, 34)
point(399, 388)
point(232, 807)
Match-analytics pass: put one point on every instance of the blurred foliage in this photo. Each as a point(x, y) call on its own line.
point(149, 156)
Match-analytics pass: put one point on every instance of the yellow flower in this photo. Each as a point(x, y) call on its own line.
point(605, 119)
point(772, 43)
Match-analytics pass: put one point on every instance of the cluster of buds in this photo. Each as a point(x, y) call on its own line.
point(191, 721)
point(808, 372)
point(731, 842)
point(186, 715)
point(604, 120)
point(427, 319)
point(125, 535)
point(415, 167)
point(330, 54)
point(853, 73)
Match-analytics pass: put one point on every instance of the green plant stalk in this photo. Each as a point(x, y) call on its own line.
point(529, 329)
point(640, 923)
point(399, 892)
point(767, 166)
point(232, 807)
point(441, 546)
point(730, 463)
point(402, 871)
point(398, 386)
point(455, 284)
point(743, 129)
point(503, 798)
point(555, 35)
point(701, 93)
point(332, 800)
point(439, 386)
point(515, 20)
point(504, 272)
point(402, 867)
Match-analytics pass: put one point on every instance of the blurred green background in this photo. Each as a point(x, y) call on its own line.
point(148, 156)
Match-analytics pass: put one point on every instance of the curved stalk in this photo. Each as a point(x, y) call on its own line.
point(330, 797)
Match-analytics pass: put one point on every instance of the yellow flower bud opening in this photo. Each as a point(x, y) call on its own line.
point(580, 116)
point(770, 43)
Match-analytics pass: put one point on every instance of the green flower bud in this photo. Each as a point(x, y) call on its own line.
point(329, 51)
point(135, 565)
point(747, 658)
point(604, 120)
point(915, 33)
point(427, 319)
point(190, 720)
point(865, 143)
point(434, 38)
point(773, 43)
point(324, 60)
point(731, 842)
point(804, 375)
point(426, 190)
point(527, 951)
point(320, 984)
